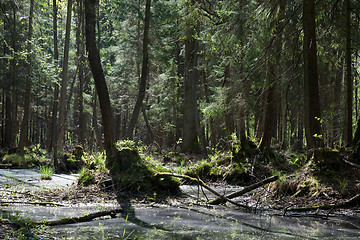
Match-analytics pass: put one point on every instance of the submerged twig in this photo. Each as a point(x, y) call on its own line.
point(201, 183)
point(245, 190)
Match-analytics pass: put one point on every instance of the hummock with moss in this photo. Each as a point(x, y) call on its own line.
point(132, 173)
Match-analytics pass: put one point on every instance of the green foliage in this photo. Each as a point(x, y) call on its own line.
point(72, 164)
point(14, 159)
point(34, 156)
point(126, 144)
point(86, 177)
point(46, 172)
point(221, 167)
point(297, 160)
point(95, 160)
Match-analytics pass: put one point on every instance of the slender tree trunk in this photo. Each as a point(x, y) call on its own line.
point(80, 62)
point(144, 74)
point(64, 80)
point(147, 123)
point(54, 106)
point(312, 114)
point(25, 122)
point(348, 78)
point(97, 134)
point(10, 74)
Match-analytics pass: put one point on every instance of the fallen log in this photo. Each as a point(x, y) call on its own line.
point(201, 183)
point(346, 203)
point(6, 203)
point(83, 218)
point(243, 191)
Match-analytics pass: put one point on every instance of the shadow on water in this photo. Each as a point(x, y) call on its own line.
point(129, 215)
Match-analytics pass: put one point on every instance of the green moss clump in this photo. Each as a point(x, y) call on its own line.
point(86, 178)
point(72, 163)
point(222, 168)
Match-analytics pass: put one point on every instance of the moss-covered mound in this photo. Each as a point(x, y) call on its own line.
point(222, 169)
point(325, 174)
point(132, 173)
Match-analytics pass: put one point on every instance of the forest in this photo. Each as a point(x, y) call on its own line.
point(205, 70)
point(229, 90)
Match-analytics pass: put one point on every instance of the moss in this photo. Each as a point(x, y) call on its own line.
point(222, 168)
point(72, 163)
point(131, 172)
point(78, 152)
point(86, 178)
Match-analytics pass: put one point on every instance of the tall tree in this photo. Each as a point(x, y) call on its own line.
point(64, 76)
point(81, 123)
point(348, 77)
point(10, 75)
point(99, 78)
point(190, 131)
point(311, 78)
point(144, 73)
point(52, 132)
point(27, 97)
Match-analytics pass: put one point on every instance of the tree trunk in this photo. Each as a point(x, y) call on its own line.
point(272, 77)
point(64, 80)
point(348, 79)
point(25, 123)
point(10, 76)
point(54, 106)
point(81, 124)
point(144, 74)
point(99, 78)
point(97, 134)
point(190, 133)
point(312, 113)
point(270, 108)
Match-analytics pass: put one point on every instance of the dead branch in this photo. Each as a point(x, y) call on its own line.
point(351, 163)
point(3, 203)
point(346, 203)
point(83, 218)
point(201, 183)
point(5, 165)
point(245, 190)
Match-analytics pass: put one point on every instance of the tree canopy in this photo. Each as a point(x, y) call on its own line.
point(278, 73)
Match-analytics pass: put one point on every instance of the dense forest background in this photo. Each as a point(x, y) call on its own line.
point(201, 75)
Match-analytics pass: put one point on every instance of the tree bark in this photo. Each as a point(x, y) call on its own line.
point(144, 74)
point(272, 77)
point(99, 78)
point(54, 106)
point(81, 124)
point(64, 76)
point(312, 113)
point(190, 131)
point(25, 122)
point(348, 78)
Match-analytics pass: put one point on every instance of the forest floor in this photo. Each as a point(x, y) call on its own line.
point(328, 184)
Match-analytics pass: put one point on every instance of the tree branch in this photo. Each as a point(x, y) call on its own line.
point(83, 218)
point(245, 190)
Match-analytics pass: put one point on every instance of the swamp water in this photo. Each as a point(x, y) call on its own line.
point(176, 221)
